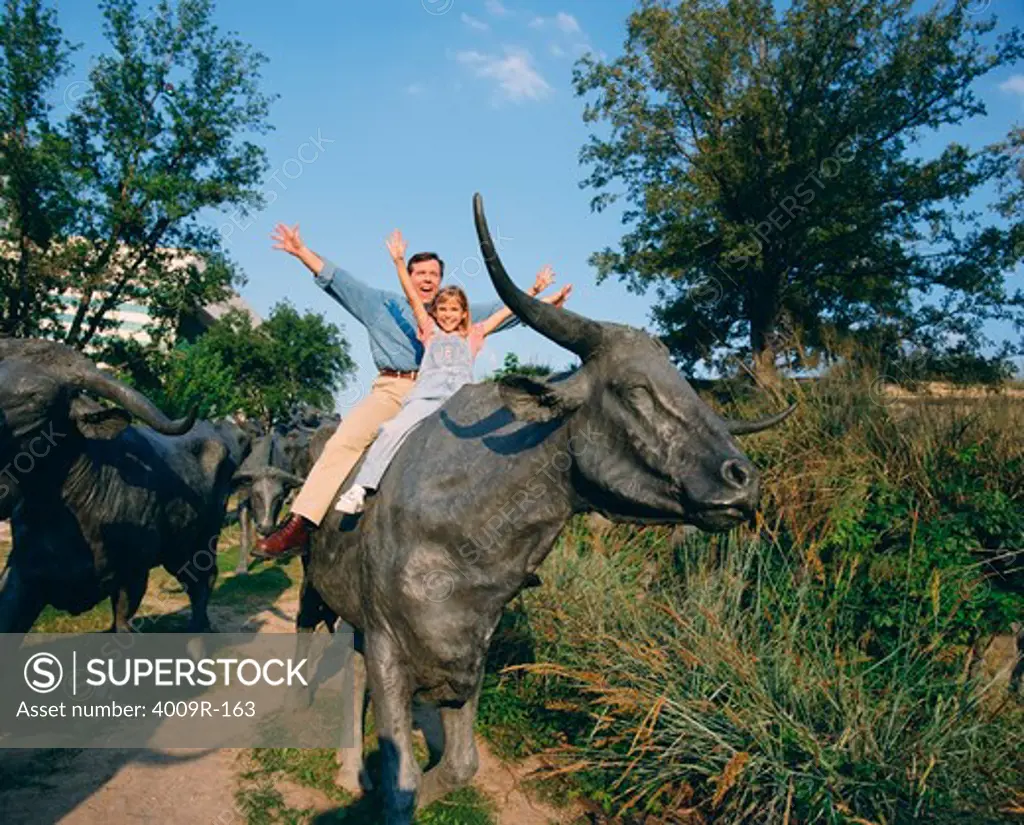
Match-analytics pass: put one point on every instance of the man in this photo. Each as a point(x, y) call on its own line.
point(396, 352)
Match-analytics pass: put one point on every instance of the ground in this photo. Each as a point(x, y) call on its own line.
point(225, 787)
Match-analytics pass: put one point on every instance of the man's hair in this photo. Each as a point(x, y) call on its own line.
point(420, 257)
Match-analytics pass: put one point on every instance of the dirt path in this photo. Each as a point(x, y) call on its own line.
point(103, 786)
point(127, 786)
point(503, 782)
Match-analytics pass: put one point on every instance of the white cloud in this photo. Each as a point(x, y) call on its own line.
point(473, 23)
point(563, 21)
point(569, 34)
point(415, 89)
point(496, 8)
point(1014, 84)
point(516, 78)
point(567, 23)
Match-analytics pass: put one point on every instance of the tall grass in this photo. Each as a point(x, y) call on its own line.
point(735, 691)
point(814, 670)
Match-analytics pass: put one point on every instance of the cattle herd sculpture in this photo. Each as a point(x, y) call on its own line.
point(470, 508)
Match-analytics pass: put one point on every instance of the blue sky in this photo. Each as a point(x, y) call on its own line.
point(415, 105)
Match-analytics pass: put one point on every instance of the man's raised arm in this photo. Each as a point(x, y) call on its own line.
point(362, 301)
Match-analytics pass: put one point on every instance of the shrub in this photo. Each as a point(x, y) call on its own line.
point(902, 498)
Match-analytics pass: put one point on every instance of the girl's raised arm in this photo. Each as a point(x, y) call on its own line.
point(397, 246)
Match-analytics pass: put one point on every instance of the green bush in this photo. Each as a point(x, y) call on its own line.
point(903, 499)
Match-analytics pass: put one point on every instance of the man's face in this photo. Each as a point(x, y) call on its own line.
point(426, 277)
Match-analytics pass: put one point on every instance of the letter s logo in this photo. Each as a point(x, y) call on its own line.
point(43, 672)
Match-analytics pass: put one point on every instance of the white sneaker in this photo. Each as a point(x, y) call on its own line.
point(352, 501)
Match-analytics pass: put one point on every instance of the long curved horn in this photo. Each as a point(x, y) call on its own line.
point(240, 479)
point(574, 332)
point(76, 369)
point(248, 476)
point(290, 479)
point(280, 475)
point(106, 386)
point(748, 427)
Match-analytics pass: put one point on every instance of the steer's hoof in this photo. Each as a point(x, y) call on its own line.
point(355, 782)
point(196, 649)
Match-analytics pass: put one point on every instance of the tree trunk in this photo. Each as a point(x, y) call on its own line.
point(765, 372)
point(763, 315)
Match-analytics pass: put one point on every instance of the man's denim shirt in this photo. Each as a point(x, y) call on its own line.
point(387, 317)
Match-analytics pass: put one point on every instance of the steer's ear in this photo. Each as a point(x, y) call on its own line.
point(94, 421)
point(532, 399)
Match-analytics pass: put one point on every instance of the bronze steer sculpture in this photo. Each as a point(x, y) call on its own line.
point(95, 503)
point(264, 482)
point(473, 504)
point(278, 464)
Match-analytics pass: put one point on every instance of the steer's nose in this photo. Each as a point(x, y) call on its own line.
point(738, 473)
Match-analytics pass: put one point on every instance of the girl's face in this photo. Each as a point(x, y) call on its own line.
point(449, 313)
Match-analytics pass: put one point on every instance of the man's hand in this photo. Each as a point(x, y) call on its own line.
point(396, 246)
point(545, 278)
point(288, 239)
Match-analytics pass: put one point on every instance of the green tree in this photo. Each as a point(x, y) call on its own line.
point(195, 376)
point(157, 138)
point(34, 199)
point(772, 196)
point(513, 366)
point(266, 371)
point(306, 362)
point(1012, 187)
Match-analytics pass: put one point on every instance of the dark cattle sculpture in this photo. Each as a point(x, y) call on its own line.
point(263, 482)
point(278, 464)
point(473, 504)
point(94, 502)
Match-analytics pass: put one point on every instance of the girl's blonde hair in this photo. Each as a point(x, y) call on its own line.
point(452, 291)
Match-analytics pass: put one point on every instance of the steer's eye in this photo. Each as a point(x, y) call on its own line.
point(640, 399)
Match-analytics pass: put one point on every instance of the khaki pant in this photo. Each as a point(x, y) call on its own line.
point(355, 433)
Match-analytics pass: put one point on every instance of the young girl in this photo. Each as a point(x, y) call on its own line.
point(451, 343)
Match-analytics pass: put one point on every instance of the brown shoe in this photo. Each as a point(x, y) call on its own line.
point(292, 535)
